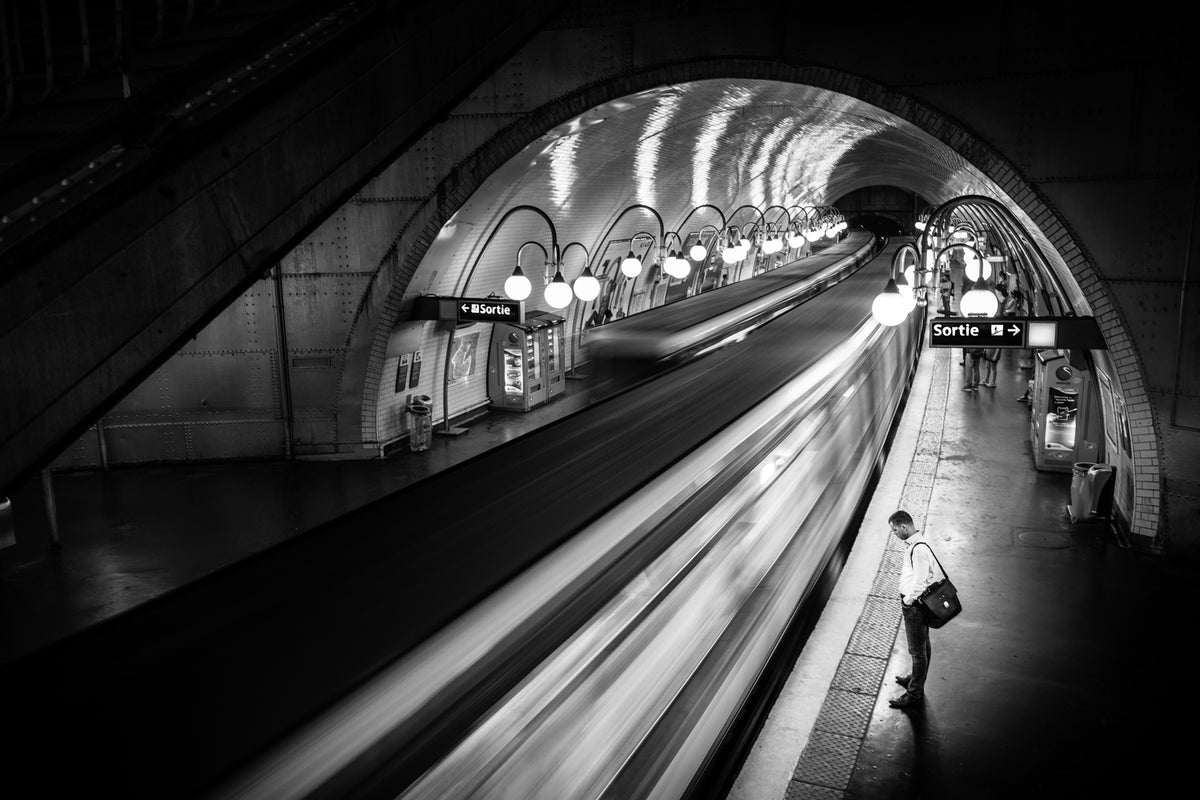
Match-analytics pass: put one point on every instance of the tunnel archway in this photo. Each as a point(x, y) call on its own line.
point(577, 111)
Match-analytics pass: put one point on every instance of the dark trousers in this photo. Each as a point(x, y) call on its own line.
point(917, 634)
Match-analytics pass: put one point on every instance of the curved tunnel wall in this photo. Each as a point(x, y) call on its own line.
point(1093, 295)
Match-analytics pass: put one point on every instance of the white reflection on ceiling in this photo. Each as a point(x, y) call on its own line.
point(563, 173)
point(711, 140)
point(765, 184)
point(645, 159)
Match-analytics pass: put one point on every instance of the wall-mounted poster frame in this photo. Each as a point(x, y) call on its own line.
point(1108, 408)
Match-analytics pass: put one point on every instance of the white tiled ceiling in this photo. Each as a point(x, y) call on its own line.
point(727, 143)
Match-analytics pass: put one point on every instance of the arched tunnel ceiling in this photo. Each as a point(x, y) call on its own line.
point(723, 142)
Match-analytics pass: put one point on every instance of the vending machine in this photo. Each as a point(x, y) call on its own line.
point(525, 362)
point(1065, 424)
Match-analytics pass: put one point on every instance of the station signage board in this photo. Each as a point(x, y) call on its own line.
point(1032, 332)
point(977, 332)
point(461, 310)
point(488, 310)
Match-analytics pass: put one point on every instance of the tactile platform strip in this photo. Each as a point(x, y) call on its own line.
point(847, 713)
point(887, 580)
point(807, 791)
point(862, 674)
point(876, 628)
point(828, 760)
point(929, 442)
point(922, 466)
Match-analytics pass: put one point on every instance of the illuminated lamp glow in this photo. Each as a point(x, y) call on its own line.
point(517, 286)
point(586, 286)
point(558, 293)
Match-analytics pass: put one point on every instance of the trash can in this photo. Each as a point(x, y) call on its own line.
point(8, 533)
point(1097, 481)
point(420, 424)
point(1079, 479)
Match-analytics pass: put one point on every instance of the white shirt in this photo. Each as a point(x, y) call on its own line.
point(918, 569)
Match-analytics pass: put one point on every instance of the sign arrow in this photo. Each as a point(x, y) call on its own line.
point(1014, 330)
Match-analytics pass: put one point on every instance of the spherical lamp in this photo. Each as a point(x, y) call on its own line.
point(517, 286)
point(586, 286)
point(558, 293)
point(697, 252)
point(889, 307)
point(979, 300)
point(631, 267)
point(680, 268)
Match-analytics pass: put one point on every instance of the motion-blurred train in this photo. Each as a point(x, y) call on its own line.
point(598, 608)
point(704, 568)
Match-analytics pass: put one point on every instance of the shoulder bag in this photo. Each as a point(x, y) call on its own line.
point(939, 602)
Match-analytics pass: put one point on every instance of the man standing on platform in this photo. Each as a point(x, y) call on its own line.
point(917, 571)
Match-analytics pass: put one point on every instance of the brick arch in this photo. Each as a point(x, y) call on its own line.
point(466, 177)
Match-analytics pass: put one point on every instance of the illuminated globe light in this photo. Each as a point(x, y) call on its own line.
point(730, 254)
point(558, 293)
point(517, 286)
point(678, 267)
point(586, 286)
point(889, 307)
point(974, 269)
point(631, 267)
point(795, 239)
point(908, 295)
point(979, 301)
point(919, 225)
point(697, 252)
point(669, 265)
point(812, 234)
point(832, 231)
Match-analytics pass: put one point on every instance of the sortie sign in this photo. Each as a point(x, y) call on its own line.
point(951, 332)
point(488, 310)
point(1032, 332)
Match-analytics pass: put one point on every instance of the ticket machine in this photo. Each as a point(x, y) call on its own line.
point(525, 362)
point(1065, 424)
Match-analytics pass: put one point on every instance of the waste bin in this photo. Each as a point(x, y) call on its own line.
point(420, 424)
point(1079, 474)
point(1098, 479)
point(1088, 484)
point(8, 534)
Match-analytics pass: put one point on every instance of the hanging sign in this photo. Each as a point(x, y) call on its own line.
point(978, 332)
point(468, 309)
point(488, 310)
point(1063, 332)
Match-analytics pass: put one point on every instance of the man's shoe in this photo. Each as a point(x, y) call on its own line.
point(906, 700)
point(903, 680)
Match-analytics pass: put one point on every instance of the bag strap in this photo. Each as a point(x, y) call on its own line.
point(935, 558)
